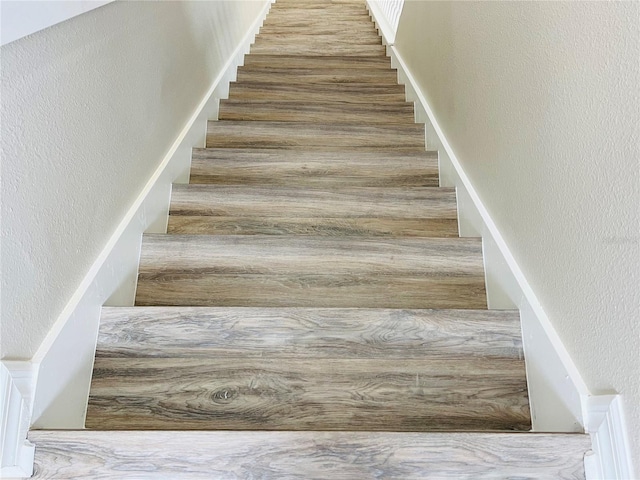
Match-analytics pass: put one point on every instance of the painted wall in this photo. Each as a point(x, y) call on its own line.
point(19, 18)
point(540, 102)
point(90, 106)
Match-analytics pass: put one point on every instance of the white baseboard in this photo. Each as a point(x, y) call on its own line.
point(64, 361)
point(560, 400)
point(606, 425)
point(16, 453)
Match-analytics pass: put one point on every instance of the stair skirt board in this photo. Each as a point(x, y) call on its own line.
point(312, 304)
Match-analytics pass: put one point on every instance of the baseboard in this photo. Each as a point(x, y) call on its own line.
point(606, 425)
point(64, 360)
point(16, 453)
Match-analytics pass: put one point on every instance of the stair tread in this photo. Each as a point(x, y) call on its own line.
point(312, 455)
point(355, 38)
point(300, 111)
point(206, 332)
point(265, 134)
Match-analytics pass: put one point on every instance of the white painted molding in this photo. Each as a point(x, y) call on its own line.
point(64, 361)
point(16, 453)
point(606, 425)
point(386, 14)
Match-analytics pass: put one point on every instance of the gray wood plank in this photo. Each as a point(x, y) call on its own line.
point(300, 135)
point(307, 455)
point(217, 332)
point(283, 75)
point(257, 61)
point(165, 255)
point(309, 393)
point(302, 111)
point(320, 49)
point(313, 168)
point(339, 93)
point(345, 202)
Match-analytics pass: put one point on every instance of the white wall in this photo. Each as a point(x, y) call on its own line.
point(540, 103)
point(19, 18)
point(89, 108)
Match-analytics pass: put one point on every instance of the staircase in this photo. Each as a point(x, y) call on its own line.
point(311, 311)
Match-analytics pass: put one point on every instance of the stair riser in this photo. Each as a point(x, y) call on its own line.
point(226, 393)
point(283, 76)
point(337, 137)
point(342, 94)
point(305, 112)
point(323, 49)
point(310, 62)
point(355, 39)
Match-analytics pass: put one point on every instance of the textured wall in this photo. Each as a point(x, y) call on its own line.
point(89, 108)
point(540, 102)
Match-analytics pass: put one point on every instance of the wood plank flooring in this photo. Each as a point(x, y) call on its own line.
point(311, 286)
point(308, 455)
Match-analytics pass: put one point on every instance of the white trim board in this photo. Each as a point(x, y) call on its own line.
point(560, 400)
point(64, 361)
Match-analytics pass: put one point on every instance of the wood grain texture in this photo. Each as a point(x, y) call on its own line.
point(255, 61)
point(301, 135)
point(318, 28)
point(311, 290)
point(309, 393)
point(314, 168)
point(320, 49)
point(164, 255)
point(354, 38)
point(358, 226)
point(292, 111)
point(292, 76)
point(274, 201)
point(341, 93)
point(308, 455)
point(218, 332)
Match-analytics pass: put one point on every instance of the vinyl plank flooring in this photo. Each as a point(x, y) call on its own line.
point(256, 225)
point(217, 332)
point(313, 168)
point(309, 455)
point(292, 76)
point(354, 38)
point(311, 290)
point(256, 61)
point(320, 49)
point(309, 393)
point(296, 135)
point(291, 111)
point(345, 94)
point(165, 255)
point(265, 201)
point(365, 28)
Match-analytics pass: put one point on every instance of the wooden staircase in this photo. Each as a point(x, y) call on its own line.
point(311, 311)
